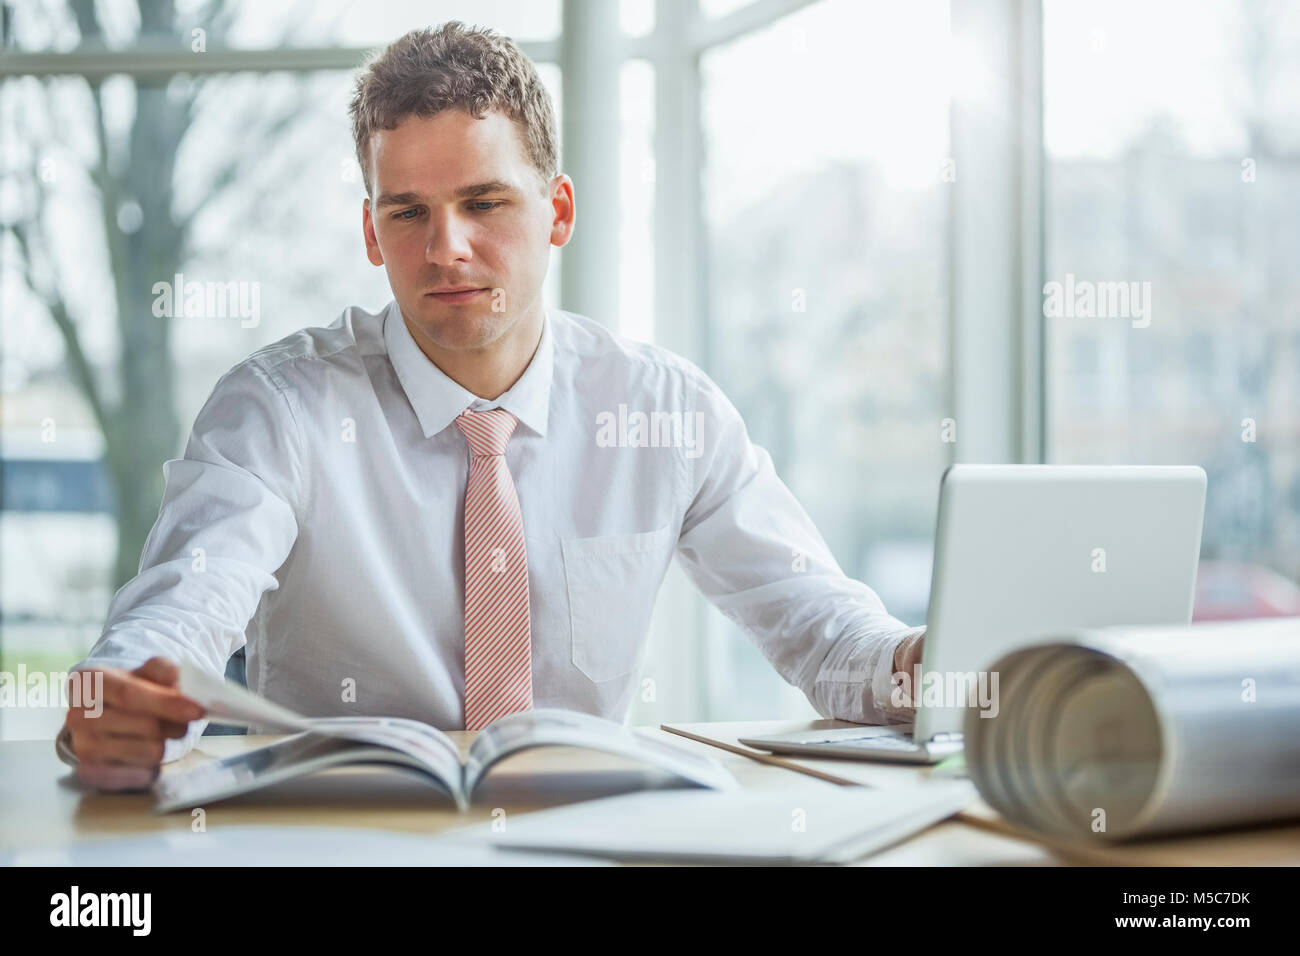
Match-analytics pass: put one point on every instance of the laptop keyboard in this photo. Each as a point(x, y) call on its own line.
point(882, 742)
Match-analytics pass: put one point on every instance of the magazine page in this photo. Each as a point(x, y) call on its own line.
point(295, 756)
point(228, 703)
point(233, 704)
point(548, 727)
point(1122, 732)
point(430, 746)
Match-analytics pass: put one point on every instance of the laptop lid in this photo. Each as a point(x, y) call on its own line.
point(1027, 552)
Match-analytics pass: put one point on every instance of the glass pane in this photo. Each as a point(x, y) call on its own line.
point(249, 24)
point(637, 184)
point(826, 210)
point(636, 17)
point(361, 23)
point(1171, 319)
point(720, 8)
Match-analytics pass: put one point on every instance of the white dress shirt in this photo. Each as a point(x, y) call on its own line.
point(317, 519)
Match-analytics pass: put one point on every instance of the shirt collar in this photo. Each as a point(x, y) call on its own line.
point(437, 399)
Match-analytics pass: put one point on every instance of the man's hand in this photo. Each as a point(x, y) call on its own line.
point(122, 747)
point(907, 656)
point(908, 653)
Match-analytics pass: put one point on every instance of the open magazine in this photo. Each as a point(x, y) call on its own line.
point(323, 742)
point(1122, 732)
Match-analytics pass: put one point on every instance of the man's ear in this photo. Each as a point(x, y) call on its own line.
point(368, 231)
point(562, 223)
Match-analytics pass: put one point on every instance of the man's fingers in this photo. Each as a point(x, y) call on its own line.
point(121, 746)
point(105, 776)
point(160, 670)
point(133, 693)
point(119, 723)
point(132, 751)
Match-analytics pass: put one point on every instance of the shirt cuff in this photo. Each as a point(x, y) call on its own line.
point(883, 684)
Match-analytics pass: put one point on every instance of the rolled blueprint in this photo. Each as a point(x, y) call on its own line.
point(1121, 732)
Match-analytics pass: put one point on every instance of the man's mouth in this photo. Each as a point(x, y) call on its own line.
point(460, 293)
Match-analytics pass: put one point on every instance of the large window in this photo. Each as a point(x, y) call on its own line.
point(821, 273)
point(826, 203)
point(1173, 182)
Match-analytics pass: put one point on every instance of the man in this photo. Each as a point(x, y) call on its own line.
point(464, 505)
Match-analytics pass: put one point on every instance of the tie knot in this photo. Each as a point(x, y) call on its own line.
point(487, 432)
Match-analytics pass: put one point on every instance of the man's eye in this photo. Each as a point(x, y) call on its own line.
point(403, 215)
point(484, 205)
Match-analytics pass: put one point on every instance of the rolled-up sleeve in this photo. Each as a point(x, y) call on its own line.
point(227, 522)
point(754, 552)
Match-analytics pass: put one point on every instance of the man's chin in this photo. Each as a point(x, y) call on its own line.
point(461, 328)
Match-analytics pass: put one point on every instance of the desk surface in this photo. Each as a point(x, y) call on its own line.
point(1277, 845)
point(43, 805)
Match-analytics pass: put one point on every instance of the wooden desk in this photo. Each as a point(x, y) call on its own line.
point(43, 805)
point(1253, 846)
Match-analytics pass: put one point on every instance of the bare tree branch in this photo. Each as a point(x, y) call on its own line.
point(54, 301)
point(240, 165)
point(140, 425)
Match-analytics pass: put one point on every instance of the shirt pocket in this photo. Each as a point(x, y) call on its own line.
point(612, 583)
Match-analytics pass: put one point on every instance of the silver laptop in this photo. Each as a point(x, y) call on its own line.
point(1025, 553)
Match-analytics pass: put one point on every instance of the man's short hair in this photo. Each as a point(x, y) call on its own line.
point(454, 67)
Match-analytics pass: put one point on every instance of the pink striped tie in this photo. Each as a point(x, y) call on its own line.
point(498, 647)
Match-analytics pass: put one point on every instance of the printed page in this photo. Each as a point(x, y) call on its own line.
point(229, 703)
point(842, 824)
point(427, 744)
point(548, 727)
point(294, 756)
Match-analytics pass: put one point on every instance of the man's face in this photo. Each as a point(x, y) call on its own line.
point(457, 205)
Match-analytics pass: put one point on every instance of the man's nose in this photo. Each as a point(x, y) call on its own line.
point(448, 239)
